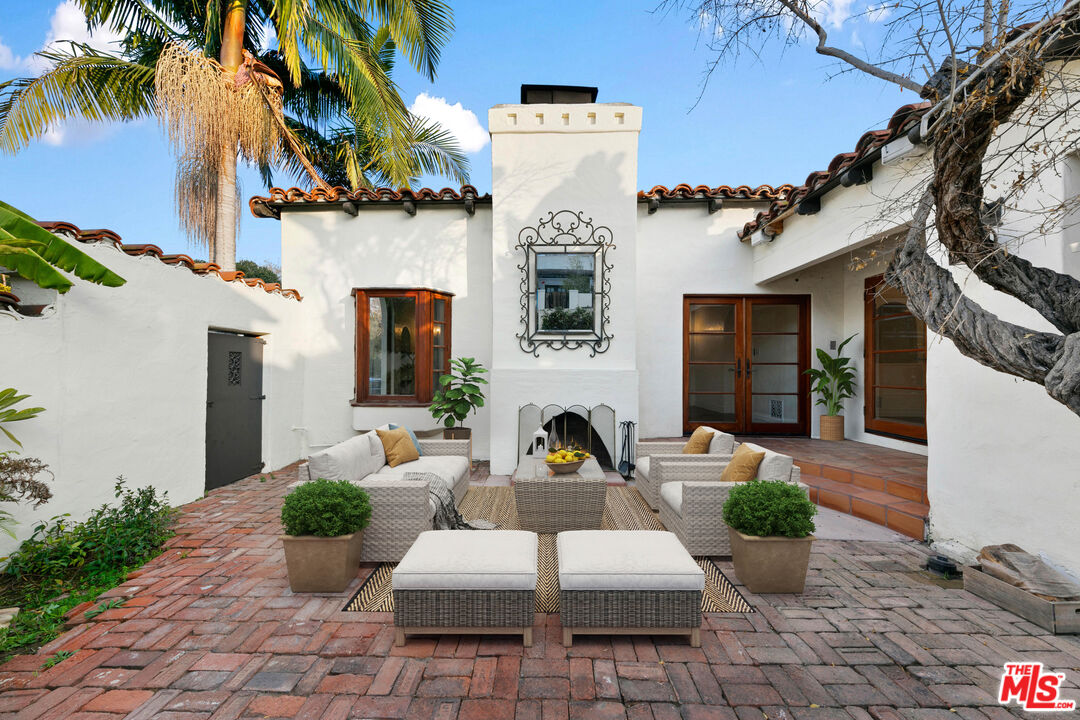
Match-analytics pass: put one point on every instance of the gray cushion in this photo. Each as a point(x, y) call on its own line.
point(774, 466)
point(451, 468)
point(349, 460)
point(671, 494)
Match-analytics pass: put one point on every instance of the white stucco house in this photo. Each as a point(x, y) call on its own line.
point(669, 307)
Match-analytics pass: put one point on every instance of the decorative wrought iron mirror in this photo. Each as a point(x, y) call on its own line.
point(565, 284)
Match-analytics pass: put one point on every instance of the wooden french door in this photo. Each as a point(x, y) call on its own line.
point(895, 345)
point(743, 363)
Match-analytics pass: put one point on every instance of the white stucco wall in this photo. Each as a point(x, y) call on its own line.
point(122, 373)
point(328, 253)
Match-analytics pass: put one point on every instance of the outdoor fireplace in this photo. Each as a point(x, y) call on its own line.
point(590, 428)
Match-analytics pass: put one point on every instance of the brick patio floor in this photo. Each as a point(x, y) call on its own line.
point(210, 630)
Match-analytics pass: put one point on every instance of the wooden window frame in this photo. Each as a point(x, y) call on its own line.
point(872, 424)
point(424, 355)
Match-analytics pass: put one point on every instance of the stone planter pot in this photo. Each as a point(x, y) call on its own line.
point(320, 564)
point(457, 433)
point(770, 564)
point(832, 427)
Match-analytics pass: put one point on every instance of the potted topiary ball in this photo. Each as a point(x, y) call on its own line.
point(770, 525)
point(324, 530)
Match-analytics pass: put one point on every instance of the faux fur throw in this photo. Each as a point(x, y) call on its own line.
point(447, 516)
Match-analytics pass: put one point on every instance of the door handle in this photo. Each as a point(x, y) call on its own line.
point(738, 367)
point(257, 397)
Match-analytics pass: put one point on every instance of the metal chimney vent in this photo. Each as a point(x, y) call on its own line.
point(557, 94)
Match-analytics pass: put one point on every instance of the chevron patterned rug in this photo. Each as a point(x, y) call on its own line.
point(625, 510)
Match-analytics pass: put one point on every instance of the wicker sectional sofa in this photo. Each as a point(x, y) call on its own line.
point(400, 509)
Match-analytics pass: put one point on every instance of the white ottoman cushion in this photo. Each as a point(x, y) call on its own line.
point(671, 493)
point(625, 560)
point(469, 560)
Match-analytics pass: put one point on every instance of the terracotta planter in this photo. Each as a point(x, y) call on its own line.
point(319, 564)
point(457, 433)
point(832, 427)
point(770, 564)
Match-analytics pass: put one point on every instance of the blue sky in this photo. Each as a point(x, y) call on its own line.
point(768, 121)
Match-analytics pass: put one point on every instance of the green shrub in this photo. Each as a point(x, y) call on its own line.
point(326, 509)
point(112, 538)
point(764, 508)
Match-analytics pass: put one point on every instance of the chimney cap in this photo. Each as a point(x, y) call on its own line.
point(557, 94)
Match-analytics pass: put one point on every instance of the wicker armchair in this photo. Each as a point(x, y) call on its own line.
point(661, 462)
point(693, 509)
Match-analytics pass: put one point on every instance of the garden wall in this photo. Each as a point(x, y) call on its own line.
point(122, 373)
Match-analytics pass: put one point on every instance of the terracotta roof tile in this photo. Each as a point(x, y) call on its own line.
point(199, 268)
point(901, 122)
point(267, 206)
point(684, 191)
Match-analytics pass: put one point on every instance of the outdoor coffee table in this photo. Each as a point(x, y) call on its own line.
point(549, 503)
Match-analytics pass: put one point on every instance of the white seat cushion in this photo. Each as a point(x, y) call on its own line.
point(449, 467)
point(469, 560)
point(625, 560)
point(349, 460)
point(641, 467)
point(773, 466)
point(671, 493)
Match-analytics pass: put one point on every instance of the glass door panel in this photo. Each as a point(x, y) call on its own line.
point(712, 362)
point(895, 364)
point(775, 381)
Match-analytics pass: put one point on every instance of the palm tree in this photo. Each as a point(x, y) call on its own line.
point(322, 103)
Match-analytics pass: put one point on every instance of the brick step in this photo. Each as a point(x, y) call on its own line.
point(909, 488)
point(895, 512)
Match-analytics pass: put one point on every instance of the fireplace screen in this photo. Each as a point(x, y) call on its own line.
point(576, 425)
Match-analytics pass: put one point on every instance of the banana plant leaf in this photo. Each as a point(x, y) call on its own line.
point(27, 263)
point(57, 251)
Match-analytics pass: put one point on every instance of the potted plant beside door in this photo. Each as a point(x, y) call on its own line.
point(458, 395)
point(834, 383)
point(324, 525)
point(770, 525)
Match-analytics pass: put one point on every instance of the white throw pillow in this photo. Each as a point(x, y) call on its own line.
point(378, 453)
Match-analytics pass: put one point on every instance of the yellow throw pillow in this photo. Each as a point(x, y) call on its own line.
point(743, 466)
point(698, 444)
point(398, 446)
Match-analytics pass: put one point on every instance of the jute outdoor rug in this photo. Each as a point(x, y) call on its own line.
point(625, 510)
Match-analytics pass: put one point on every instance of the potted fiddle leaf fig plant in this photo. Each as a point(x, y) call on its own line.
point(324, 524)
point(770, 525)
point(834, 382)
point(458, 395)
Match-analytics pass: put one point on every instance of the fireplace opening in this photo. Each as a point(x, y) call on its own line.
point(590, 428)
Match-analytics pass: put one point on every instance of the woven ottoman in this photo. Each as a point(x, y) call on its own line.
point(628, 582)
point(466, 582)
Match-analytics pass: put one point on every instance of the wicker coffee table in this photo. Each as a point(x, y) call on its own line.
point(549, 503)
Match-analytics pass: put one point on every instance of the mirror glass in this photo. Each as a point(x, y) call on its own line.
point(565, 292)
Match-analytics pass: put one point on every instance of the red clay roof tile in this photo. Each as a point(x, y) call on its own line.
point(266, 206)
point(901, 121)
point(199, 268)
point(741, 192)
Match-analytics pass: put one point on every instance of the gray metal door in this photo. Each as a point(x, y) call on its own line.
point(233, 408)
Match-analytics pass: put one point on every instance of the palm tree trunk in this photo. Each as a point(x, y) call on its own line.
point(223, 248)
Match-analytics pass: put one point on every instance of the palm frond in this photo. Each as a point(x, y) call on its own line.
point(83, 83)
point(419, 27)
point(437, 152)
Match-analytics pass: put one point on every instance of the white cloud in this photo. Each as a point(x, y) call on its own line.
point(270, 38)
point(460, 121)
point(8, 59)
point(837, 12)
point(877, 13)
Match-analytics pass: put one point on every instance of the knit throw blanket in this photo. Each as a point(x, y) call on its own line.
point(447, 516)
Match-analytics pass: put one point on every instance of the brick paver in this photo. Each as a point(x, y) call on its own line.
point(211, 630)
